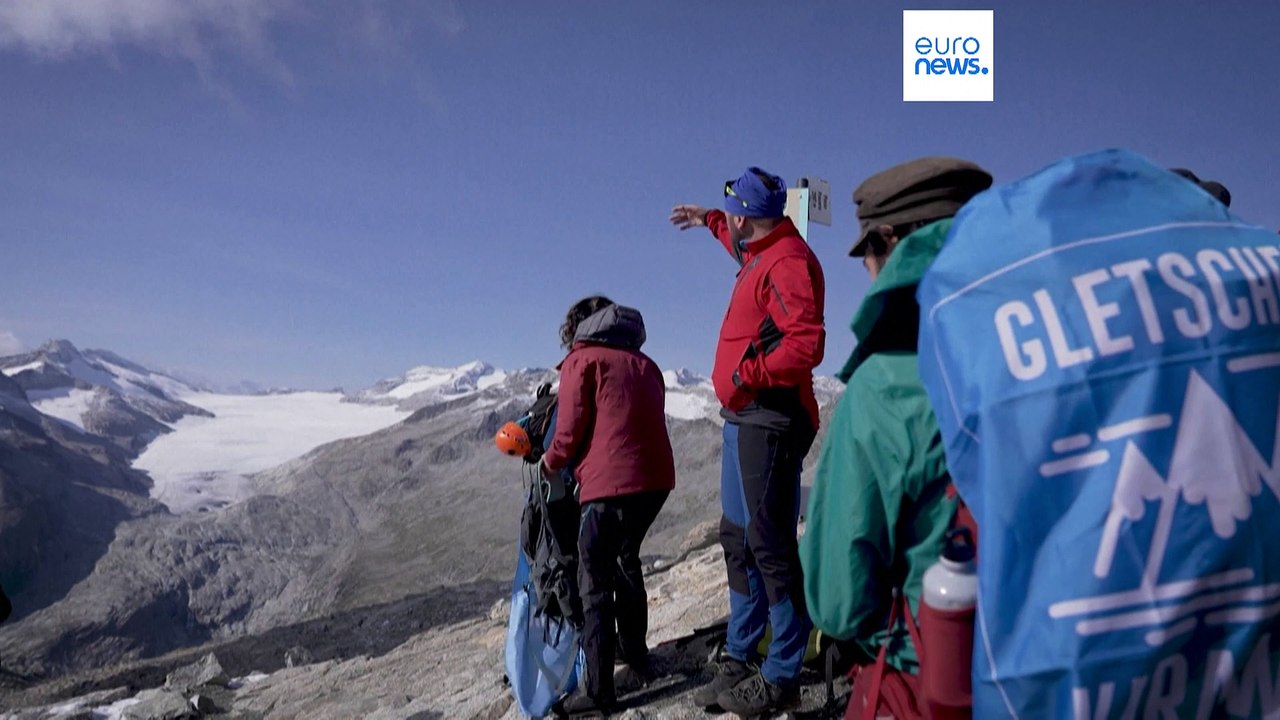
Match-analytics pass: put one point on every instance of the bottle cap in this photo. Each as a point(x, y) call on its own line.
point(959, 546)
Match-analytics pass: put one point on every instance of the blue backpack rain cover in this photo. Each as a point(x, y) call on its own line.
point(1101, 344)
point(542, 654)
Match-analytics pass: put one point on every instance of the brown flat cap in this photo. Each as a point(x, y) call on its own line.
point(928, 188)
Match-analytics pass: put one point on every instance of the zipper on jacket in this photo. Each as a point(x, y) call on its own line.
point(778, 295)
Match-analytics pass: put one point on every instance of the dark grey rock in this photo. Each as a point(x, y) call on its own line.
point(297, 655)
point(159, 705)
point(206, 672)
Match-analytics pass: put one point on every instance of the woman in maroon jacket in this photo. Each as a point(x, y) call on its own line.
point(611, 429)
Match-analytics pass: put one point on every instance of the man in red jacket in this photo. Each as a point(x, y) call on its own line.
point(771, 339)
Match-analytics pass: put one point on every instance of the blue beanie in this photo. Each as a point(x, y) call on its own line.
point(752, 196)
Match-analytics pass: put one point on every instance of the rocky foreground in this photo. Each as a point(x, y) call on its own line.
point(426, 658)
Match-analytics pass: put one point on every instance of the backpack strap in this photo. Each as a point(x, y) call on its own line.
point(963, 517)
point(877, 672)
point(913, 629)
point(829, 674)
point(876, 691)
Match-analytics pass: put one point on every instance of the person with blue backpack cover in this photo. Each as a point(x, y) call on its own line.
point(1101, 344)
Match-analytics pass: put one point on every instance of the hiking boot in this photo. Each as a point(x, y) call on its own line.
point(636, 673)
point(756, 696)
point(581, 705)
point(728, 673)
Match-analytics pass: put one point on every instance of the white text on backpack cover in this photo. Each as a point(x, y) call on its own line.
point(1032, 334)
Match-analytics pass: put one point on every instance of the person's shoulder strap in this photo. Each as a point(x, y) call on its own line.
point(963, 517)
point(877, 676)
point(899, 606)
point(913, 629)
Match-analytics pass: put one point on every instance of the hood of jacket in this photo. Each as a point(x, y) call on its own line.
point(617, 325)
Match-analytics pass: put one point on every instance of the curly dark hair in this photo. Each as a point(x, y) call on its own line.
point(580, 311)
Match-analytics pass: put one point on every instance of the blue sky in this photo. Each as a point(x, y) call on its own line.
point(324, 194)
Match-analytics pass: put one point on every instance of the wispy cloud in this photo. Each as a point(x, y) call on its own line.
point(204, 33)
point(210, 34)
point(10, 344)
point(188, 28)
point(390, 37)
point(58, 28)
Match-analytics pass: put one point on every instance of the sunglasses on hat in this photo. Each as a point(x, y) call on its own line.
point(728, 192)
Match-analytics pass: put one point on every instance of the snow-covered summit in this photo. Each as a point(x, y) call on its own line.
point(690, 395)
point(827, 389)
point(684, 378)
point(59, 364)
point(100, 392)
point(436, 383)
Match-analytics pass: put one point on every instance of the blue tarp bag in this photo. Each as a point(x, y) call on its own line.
point(1101, 344)
point(542, 655)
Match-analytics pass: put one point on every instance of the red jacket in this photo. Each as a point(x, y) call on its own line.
point(773, 334)
point(611, 423)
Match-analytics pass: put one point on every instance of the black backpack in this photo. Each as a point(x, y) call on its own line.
point(538, 421)
point(549, 539)
point(549, 525)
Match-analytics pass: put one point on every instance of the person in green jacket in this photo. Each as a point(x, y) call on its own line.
point(879, 508)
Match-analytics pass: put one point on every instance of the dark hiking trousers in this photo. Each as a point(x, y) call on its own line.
point(612, 585)
point(760, 497)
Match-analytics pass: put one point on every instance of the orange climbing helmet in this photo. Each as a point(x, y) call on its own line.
point(513, 440)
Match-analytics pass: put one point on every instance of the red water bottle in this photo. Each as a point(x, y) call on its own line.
point(947, 608)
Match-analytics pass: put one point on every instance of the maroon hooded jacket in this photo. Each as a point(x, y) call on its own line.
point(611, 423)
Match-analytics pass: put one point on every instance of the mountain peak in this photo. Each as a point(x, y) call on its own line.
point(62, 351)
point(474, 368)
point(439, 382)
point(683, 377)
point(99, 389)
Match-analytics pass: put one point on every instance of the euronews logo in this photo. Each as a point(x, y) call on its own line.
point(948, 55)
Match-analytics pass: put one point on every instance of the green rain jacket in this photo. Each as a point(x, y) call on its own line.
point(878, 512)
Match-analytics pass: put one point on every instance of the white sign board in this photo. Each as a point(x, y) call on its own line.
point(819, 201)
